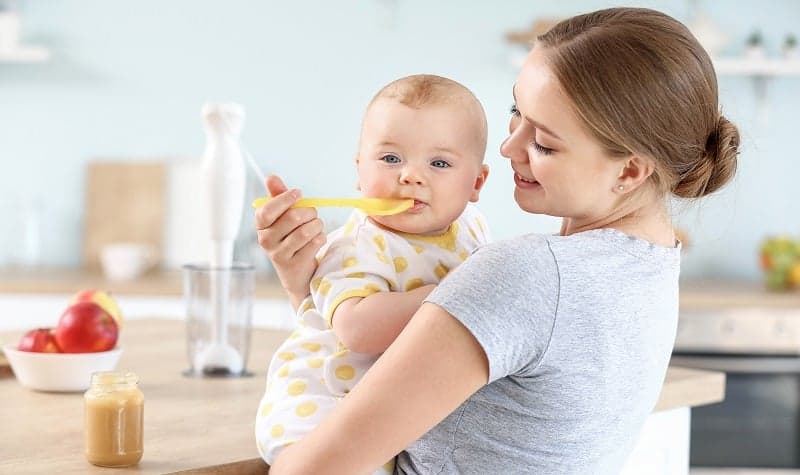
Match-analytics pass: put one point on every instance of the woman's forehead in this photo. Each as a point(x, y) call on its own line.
point(540, 98)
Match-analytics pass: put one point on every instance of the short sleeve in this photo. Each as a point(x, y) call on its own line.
point(355, 264)
point(506, 294)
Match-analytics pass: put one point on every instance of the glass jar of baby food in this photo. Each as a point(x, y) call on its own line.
point(114, 419)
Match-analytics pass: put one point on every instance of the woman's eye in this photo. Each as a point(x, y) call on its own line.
point(540, 149)
point(513, 110)
point(440, 164)
point(390, 158)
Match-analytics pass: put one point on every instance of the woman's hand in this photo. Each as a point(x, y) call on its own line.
point(291, 237)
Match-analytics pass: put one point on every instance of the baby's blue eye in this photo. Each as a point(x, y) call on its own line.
point(390, 158)
point(440, 164)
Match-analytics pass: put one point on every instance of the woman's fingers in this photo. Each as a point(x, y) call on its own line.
point(273, 209)
point(274, 185)
point(294, 231)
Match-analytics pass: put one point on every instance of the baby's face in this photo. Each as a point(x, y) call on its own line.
point(429, 154)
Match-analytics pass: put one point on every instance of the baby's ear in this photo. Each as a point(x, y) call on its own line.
point(480, 180)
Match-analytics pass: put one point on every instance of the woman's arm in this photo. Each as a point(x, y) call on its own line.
point(291, 237)
point(433, 366)
point(370, 324)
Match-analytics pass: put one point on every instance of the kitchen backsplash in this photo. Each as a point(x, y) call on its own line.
point(126, 84)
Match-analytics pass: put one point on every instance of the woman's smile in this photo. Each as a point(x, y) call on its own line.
point(523, 182)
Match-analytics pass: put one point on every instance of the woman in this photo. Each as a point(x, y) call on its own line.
point(543, 354)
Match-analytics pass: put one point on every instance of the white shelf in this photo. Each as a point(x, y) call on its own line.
point(757, 66)
point(25, 54)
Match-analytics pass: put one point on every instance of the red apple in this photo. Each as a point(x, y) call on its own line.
point(86, 327)
point(40, 340)
point(104, 299)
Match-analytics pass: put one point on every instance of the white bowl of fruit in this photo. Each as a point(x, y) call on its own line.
point(63, 358)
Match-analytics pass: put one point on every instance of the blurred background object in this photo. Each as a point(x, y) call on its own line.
point(124, 84)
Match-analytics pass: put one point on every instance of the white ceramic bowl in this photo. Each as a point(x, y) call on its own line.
point(60, 372)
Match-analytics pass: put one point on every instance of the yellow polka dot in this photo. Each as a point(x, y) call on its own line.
point(372, 288)
point(311, 346)
point(265, 410)
point(296, 388)
point(413, 284)
point(419, 249)
point(400, 264)
point(382, 257)
point(441, 270)
point(345, 372)
point(463, 255)
point(306, 409)
point(324, 287)
point(349, 262)
point(286, 355)
point(315, 283)
point(380, 242)
point(341, 353)
point(479, 223)
point(289, 442)
point(472, 232)
point(283, 371)
point(391, 284)
point(355, 275)
point(314, 363)
point(307, 305)
point(318, 259)
point(277, 431)
point(348, 227)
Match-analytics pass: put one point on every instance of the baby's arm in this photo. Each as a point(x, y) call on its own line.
point(370, 324)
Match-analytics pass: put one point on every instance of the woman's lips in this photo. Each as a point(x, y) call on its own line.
point(524, 182)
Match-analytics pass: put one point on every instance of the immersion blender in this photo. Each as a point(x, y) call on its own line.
point(223, 175)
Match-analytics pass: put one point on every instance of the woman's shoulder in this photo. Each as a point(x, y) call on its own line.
point(609, 243)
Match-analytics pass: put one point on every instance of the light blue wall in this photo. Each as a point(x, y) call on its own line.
point(127, 80)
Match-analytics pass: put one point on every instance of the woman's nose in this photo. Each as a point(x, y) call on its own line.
point(513, 147)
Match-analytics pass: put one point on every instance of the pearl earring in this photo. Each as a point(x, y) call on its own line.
point(620, 187)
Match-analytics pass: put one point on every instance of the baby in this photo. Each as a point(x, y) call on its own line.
point(423, 137)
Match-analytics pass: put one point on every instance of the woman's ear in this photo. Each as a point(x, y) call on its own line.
point(635, 172)
point(480, 180)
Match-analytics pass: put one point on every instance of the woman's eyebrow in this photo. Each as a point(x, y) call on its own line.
point(538, 125)
point(542, 127)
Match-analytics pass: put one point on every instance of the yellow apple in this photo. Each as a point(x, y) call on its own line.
point(103, 299)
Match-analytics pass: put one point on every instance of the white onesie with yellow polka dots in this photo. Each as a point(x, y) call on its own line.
point(312, 370)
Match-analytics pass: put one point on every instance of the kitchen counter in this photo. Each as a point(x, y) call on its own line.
point(68, 281)
point(694, 294)
point(197, 425)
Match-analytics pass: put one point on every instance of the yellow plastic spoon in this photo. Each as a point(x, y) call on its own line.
point(371, 206)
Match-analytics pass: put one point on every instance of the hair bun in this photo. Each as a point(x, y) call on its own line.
point(717, 166)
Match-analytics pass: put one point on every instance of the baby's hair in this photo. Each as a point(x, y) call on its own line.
point(420, 90)
point(642, 84)
point(423, 89)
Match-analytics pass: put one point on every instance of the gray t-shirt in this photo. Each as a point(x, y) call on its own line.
point(578, 332)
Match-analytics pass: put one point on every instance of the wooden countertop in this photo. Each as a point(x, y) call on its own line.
point(694, 294)
point(67, 281)
point(192, 424)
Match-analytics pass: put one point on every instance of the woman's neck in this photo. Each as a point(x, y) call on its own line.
point(648, 220)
